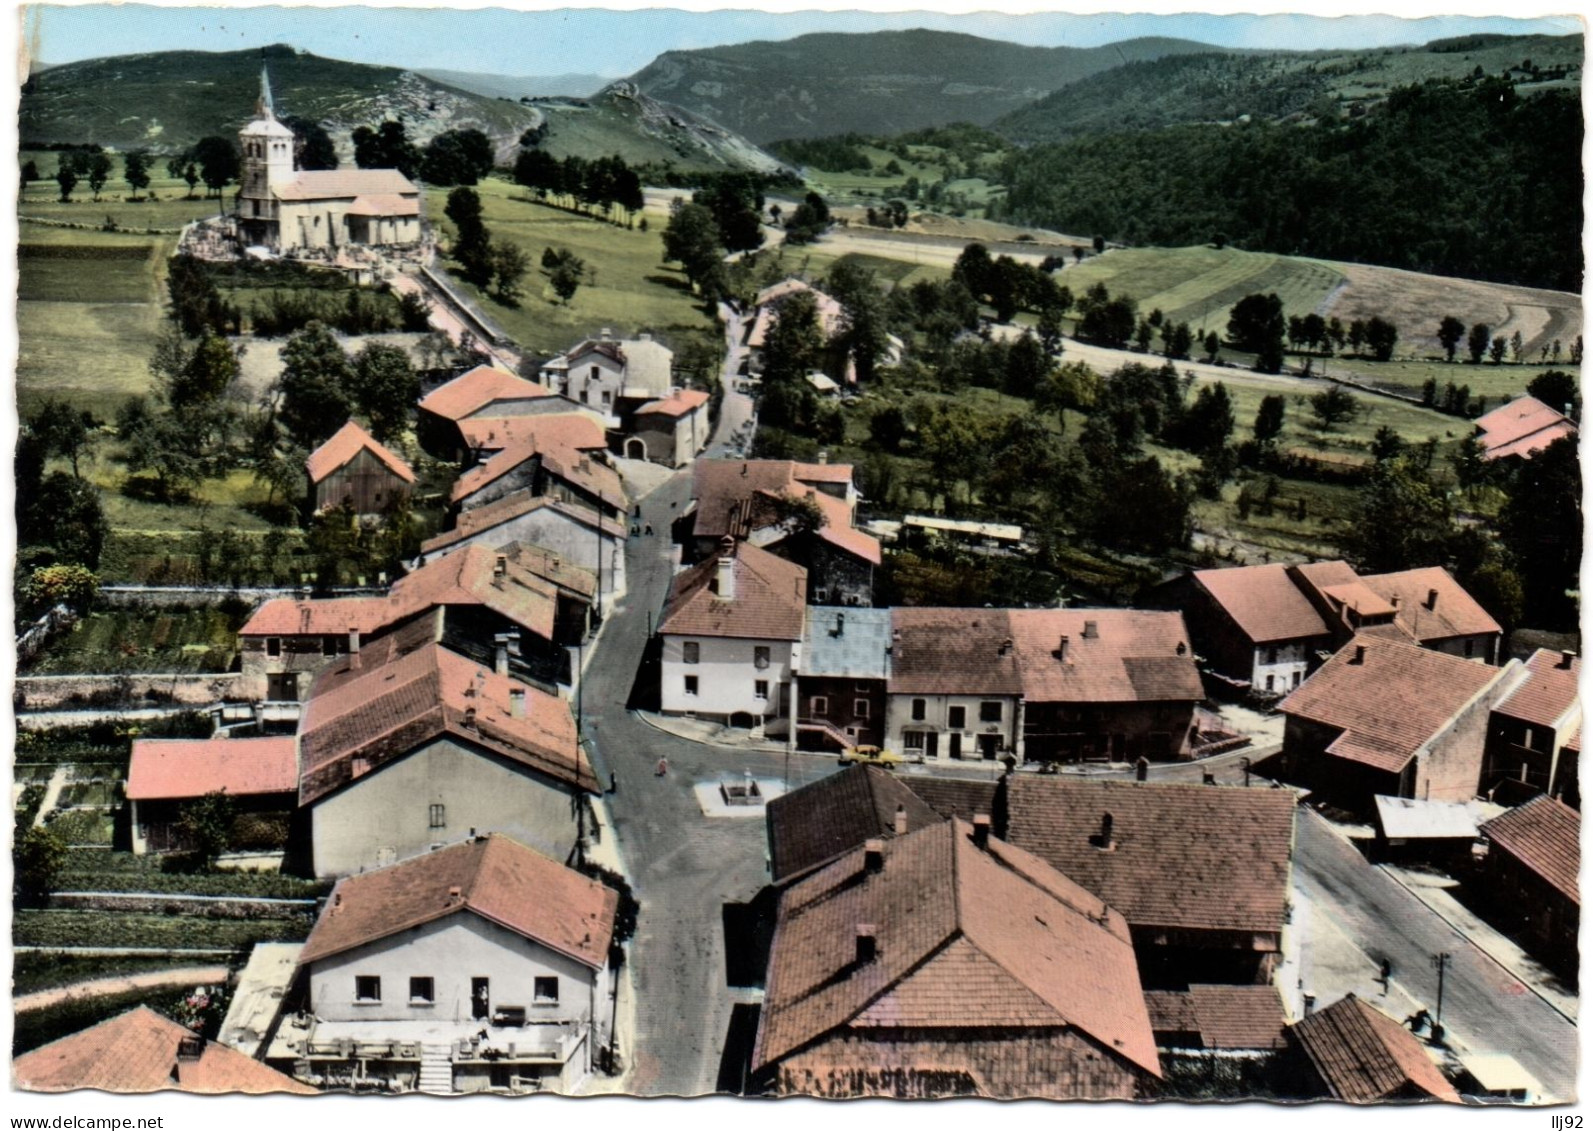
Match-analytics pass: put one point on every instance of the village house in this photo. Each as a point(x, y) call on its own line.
point(942, 963)
point(259, 775)
point(1216, 1020)
point(812, 826)
point(732, 634)
point(1522, 428)
point(480, 966)
point(1040, 684)
point(1354, 1052)
point(1200, 872)
point(287, 210)
point(576, 534)
point(405, 746)
point(560, 456)
point(1535, 734)
point(839, 686)
point(1530, 877)
point(486, 392)
point(670, 430)
point(1265, 628)
point(762, 502)
point(142, 1051)
point(612, 375)
point(288, 641)
point(831, 321)
point(1386, 717)
point(353, 468)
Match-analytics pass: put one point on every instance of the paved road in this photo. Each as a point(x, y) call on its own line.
point(1486, 1008)
point(684, 867)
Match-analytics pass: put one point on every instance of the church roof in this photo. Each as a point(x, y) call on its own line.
point(345, 184)
point(385, 204)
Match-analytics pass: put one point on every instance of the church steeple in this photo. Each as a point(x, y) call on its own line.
point(264, 108)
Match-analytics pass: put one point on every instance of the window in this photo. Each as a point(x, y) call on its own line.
point(818, 705)
point(760, 688)
point(990, 711)
point(422, 991)
point(957, 718)
point(1471, 649)
point(918, 710)
point(608, 398)
point(760, 656)
point(913, 739)
point(545, 991)
point(437, 817)
point(596, 373)
point(1297, 679)
point(1272, 655)
point(860, 708)
point(328, 645)
point(367, 987)
point(273, 646)
point(690, 652)
point(860, 686)
point(1269, 683)
point(691, 685)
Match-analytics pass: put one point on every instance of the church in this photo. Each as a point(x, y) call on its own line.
point(287, 209)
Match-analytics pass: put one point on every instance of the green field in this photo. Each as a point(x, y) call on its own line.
point(177, 931)
point(198, 640)
point(633, 290)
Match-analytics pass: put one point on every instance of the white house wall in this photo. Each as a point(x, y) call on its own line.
point(937, 713)
point(1287, 665)
point(385, 816)
point(726, 676)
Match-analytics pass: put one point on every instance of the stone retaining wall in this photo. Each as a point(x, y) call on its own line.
point(56, 692)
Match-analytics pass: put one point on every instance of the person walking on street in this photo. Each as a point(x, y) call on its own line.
point(663, 768)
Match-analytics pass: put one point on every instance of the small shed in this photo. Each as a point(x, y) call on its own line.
point(354, 467)
point(1434, 832)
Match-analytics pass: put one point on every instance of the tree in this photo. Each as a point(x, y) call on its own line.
point(386, 147)
point(183, 168)
point(1256, 325)
point(887, 428)
point(1541, 524)
point(30, 172)
point(795, 343)
point(207, 373)
point(566, 278)
point(99, 172)
point(1496, 350)
point(312, 389)
point(691, 238)
point(509, 265)
point(385, 388)
point(313, 147)
point(1477, 343)
point(457, 157)
point(135, 171)
point(205, 825)
point(1027, 366)
point(1074, 386)
point(862, 334)
point(1450, 331)
point(1402, 520)
point(1208, 423)
point(1334, 406)
point(1381, 336)
point(1269, 418)
point(65, 513)
point(72, 585)
point(736, 202)
point(1516, 347)
point(67, 180)
point(1557, 389)
point(64, 431)
point(1387, 444)
point(40, 855)
point(472, 248)
point(218, 162)
point(161, 444)
point(1212, 344)
point(974, 269)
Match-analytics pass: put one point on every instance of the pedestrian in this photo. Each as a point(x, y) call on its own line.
point(613, 782)
point(648, 529)
point(663, 768)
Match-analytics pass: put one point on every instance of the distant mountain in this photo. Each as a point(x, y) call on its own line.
point(876, 83)
point(1277, 85)
point(166, 101)
point(523, 86)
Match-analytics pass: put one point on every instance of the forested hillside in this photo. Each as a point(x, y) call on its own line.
point(1468, 179)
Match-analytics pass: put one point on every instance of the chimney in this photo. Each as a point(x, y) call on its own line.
point(1006, 646)
point(1090, 630)
point(1394, 600)
point(1104, 838)
point(354, 643)
point(1360, 654)
point(981, 831)
point(517, 702)
point(840, 623)
point(1567, 658)
point(1062, 648)
point(644, 336)
point(500, 653)
point(873, 854)
point(867, 944)
point(608, 334)
point(1432, 599)
point(190, 1048)
point(824, 458)
point(500, 567)
point(743, 471)
point(470, 717)
point(454, 892)
point(725, 587)
point(901, 820)
point(1142, 768)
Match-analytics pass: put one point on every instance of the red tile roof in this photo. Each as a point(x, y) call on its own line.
point(1523, 426)
point(1391, 702)
point(1545, 834)
point(385, 204)
point(768, 602)
point(722, 486)
point(574, 431)
point(1263, 601)
point(955, 797)
point(678, 403)
point(472, 391)
point(1222, 1017)
point(966, 940)
point(137, 1051)
point(495, 877)
point(478, 520)
point(169, 768)
point(1454, 613)
point(815, 824)
point(337, 184)
point(360, 718)
point(573, 465)
point(1132, 657)
point(285, 616)
point(553, 567)
point(1364, 1056)
point(1548, 692)
point(1196, 857)
point(344, 445)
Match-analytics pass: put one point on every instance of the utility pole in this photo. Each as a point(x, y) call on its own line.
point(1440, 960)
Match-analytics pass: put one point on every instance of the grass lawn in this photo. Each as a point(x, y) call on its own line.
point(633, 290)
point(176, 931)
point(1499, 383)
point(127, 640)
point(43, 970)
point(815, 260)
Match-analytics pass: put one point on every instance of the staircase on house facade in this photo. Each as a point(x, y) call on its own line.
point(437, 1069)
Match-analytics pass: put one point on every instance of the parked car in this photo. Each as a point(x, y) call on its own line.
point(871, 755)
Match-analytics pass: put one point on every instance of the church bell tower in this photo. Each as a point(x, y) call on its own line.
point(267, 147)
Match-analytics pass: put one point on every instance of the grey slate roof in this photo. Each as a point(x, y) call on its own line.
point(848, 643)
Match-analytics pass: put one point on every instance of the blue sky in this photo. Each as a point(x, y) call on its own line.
point(614, 43)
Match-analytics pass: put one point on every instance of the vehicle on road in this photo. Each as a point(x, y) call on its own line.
point(871, 756)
